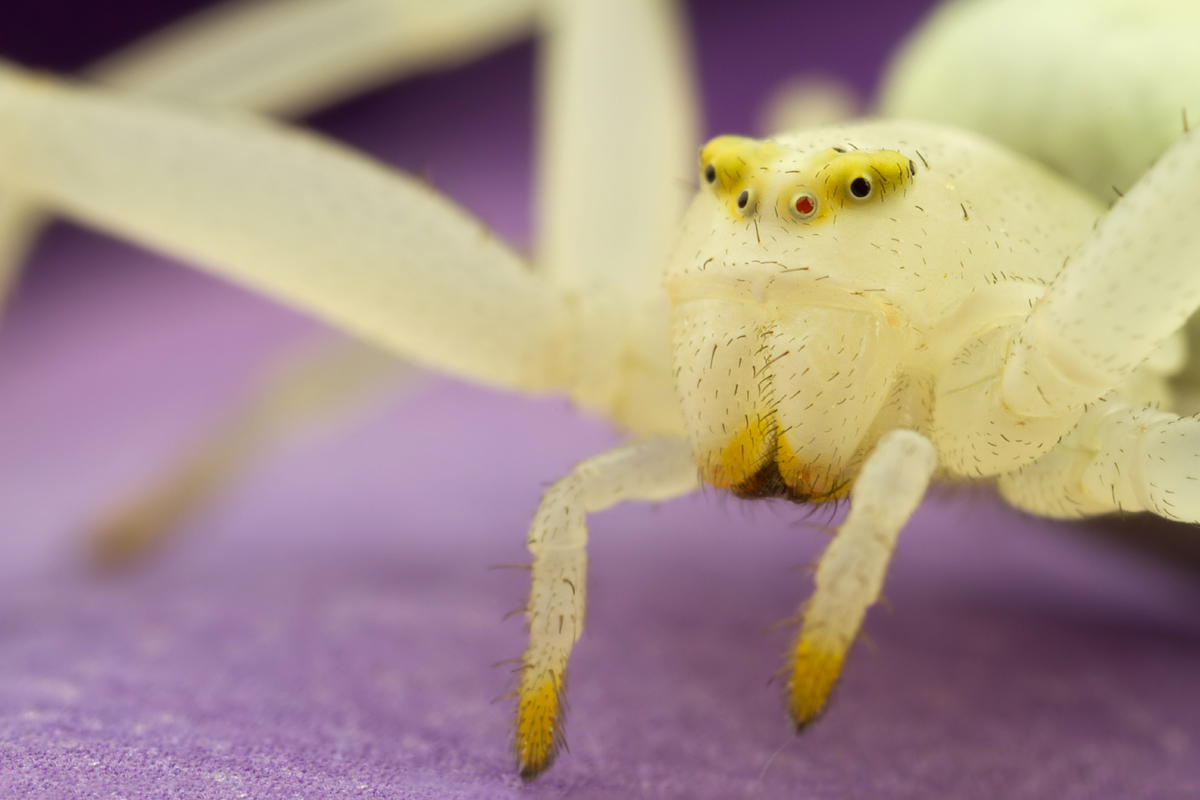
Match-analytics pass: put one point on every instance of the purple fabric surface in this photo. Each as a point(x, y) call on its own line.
point(327, 630)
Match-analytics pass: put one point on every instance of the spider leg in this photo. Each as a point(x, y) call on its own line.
point(287, 56)
point(653, 469)
point(618, 142)
point(373, 251)
point(1129, 287)
point(851, 570)
point(1120, 457)
point(618, 137)
point(19, 224)
point(1011, 394)
point(296, 392)
point(282, 56)
point(292, 56)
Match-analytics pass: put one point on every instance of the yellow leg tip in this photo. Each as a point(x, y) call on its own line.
point(815, 671)
point(127, 538)
point(539, 724)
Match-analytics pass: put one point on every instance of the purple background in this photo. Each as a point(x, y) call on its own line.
point(326, 630)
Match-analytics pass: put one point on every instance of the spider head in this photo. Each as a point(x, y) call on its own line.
point(811, 317)
point(768, 307)
point(773, 218)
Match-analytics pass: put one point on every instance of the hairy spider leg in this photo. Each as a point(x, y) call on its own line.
point(850, 574)
point(374, 252)
point(618, 141)
point(302, 219)
point(618, 136)
point(285, 57)
point(1125, 291)
point(1120, 457)
point(653, 470)
point(1128, 288)
point(610, 200)
point(292, 56)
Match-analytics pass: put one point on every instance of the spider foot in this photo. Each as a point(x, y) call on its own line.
point(540, 712)
point(816, 667)
point(130, 534)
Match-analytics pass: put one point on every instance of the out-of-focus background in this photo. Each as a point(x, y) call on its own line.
point(326, 629)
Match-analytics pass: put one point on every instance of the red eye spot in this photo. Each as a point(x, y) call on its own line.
point(804, 204)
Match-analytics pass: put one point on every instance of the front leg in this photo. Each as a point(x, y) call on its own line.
point(1010, 395)
point(656, 469)
point(850, 574)
point(1131, 285)
point(294, 56)
point(304, 220)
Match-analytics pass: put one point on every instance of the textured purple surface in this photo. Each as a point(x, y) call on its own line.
point(327, 630)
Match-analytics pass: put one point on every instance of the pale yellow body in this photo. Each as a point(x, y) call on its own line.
point(840, 312)
point(847, 311)
point(829, 331)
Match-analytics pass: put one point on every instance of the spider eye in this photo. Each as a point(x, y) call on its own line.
point(860, 187)
point(746, 202)
point(710, 173)
point(804, 205)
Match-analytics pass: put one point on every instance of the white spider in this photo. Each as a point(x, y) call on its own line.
point(850, 311)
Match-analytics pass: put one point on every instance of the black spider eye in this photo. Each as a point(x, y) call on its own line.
point(710, 174)
point(746, 202)
point(860, 187)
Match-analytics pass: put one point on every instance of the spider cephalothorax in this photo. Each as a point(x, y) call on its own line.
point(817, 293)
point(760, 322)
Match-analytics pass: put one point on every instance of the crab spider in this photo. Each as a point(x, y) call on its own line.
point(849, 311)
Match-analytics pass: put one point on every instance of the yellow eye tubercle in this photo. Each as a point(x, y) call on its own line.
point(733, 166)
point(856, 177)
point(839, 179)
point(738, 169)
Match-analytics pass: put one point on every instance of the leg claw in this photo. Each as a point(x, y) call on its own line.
point(815, 671)
point(539, 724)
